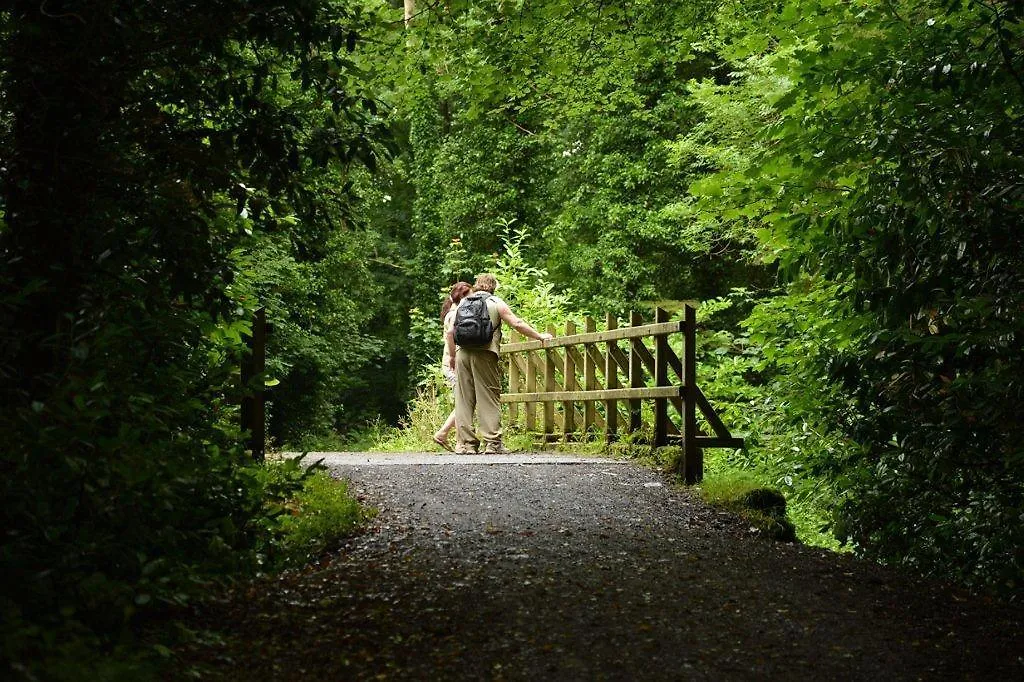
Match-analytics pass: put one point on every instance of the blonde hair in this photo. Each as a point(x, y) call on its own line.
point(486, 282)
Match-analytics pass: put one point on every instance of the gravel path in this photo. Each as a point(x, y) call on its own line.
point(590, 571)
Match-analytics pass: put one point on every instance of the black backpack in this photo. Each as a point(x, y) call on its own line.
point(473, 326)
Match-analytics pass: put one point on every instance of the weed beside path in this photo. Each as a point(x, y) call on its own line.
point(588, 571)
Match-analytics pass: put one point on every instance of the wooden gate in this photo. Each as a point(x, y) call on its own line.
point(588, 383)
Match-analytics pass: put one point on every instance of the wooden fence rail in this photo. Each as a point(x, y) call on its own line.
point(561, 375)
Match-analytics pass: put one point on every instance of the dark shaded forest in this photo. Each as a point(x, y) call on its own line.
point(838, 184)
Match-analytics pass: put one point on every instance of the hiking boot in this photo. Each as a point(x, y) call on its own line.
point(498, 449)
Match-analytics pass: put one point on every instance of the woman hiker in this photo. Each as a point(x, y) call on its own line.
point(458, 291)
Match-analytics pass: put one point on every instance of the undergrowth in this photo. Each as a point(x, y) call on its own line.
point(321, 515)
point(308, 512)
point(305, 513)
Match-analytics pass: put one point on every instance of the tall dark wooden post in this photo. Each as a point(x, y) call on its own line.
point(693, 464)
point(253, 402)
point(513, 379)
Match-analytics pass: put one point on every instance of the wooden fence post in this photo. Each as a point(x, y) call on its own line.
point(661, 379)
point(569, 379)
point(531, 387)
point(589, 380)
point(549, 386)
point(611, 381)
point(693, 465)
point(560, 403)
point(513, 380)
point(636, 375)
point(254, 402)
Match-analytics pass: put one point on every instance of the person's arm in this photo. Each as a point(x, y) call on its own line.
point(519, 324)
point(449, 340)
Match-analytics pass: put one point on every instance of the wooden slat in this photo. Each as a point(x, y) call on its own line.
point(611, 382)
point(531, 387)
point(549, 387)
point(693, 463)
point(673, 430)
point(636, 374)
point(569, 382)
point(621, 359)
point(577, 365)
point(604, 394)
point(647, 357)
point(519, 361)
point(613, 334)
point(660, 379)
point(513, 379)
point(721, 430)
point(594, 353)
point(703, 404)
point(648, 361)
point(589, 379)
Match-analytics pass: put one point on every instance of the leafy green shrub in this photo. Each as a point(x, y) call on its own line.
point(322, 514)
point(889, 192)
point(125, 488)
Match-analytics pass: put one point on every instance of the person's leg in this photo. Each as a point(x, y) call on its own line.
point(488, 399)
point(447, 427)
point(465, 402)
point(449, 423)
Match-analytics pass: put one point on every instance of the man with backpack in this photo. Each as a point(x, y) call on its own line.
point(473, 344)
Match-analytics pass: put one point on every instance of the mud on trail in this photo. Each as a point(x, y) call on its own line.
point(588, 571)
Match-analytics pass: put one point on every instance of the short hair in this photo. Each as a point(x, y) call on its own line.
point(486, 282)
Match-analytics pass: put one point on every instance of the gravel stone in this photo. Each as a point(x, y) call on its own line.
point(595, 570)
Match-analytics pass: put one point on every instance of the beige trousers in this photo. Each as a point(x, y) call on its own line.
point(477, 387)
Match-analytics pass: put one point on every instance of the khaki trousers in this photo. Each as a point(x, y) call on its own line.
point(477, 387)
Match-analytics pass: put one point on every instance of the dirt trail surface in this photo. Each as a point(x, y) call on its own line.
point(588, 571)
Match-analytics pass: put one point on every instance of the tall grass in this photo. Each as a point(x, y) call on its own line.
point(428, 410)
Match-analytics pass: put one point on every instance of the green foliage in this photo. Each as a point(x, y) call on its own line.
point(425, 340)
point(892, 169)
point(427, 411)
point(855, 167)
point(563, 128)
point(321, 348)
point(750, 351)
point(764, 508)
point(146, 146)
point(322, 514)
point(527, 288)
